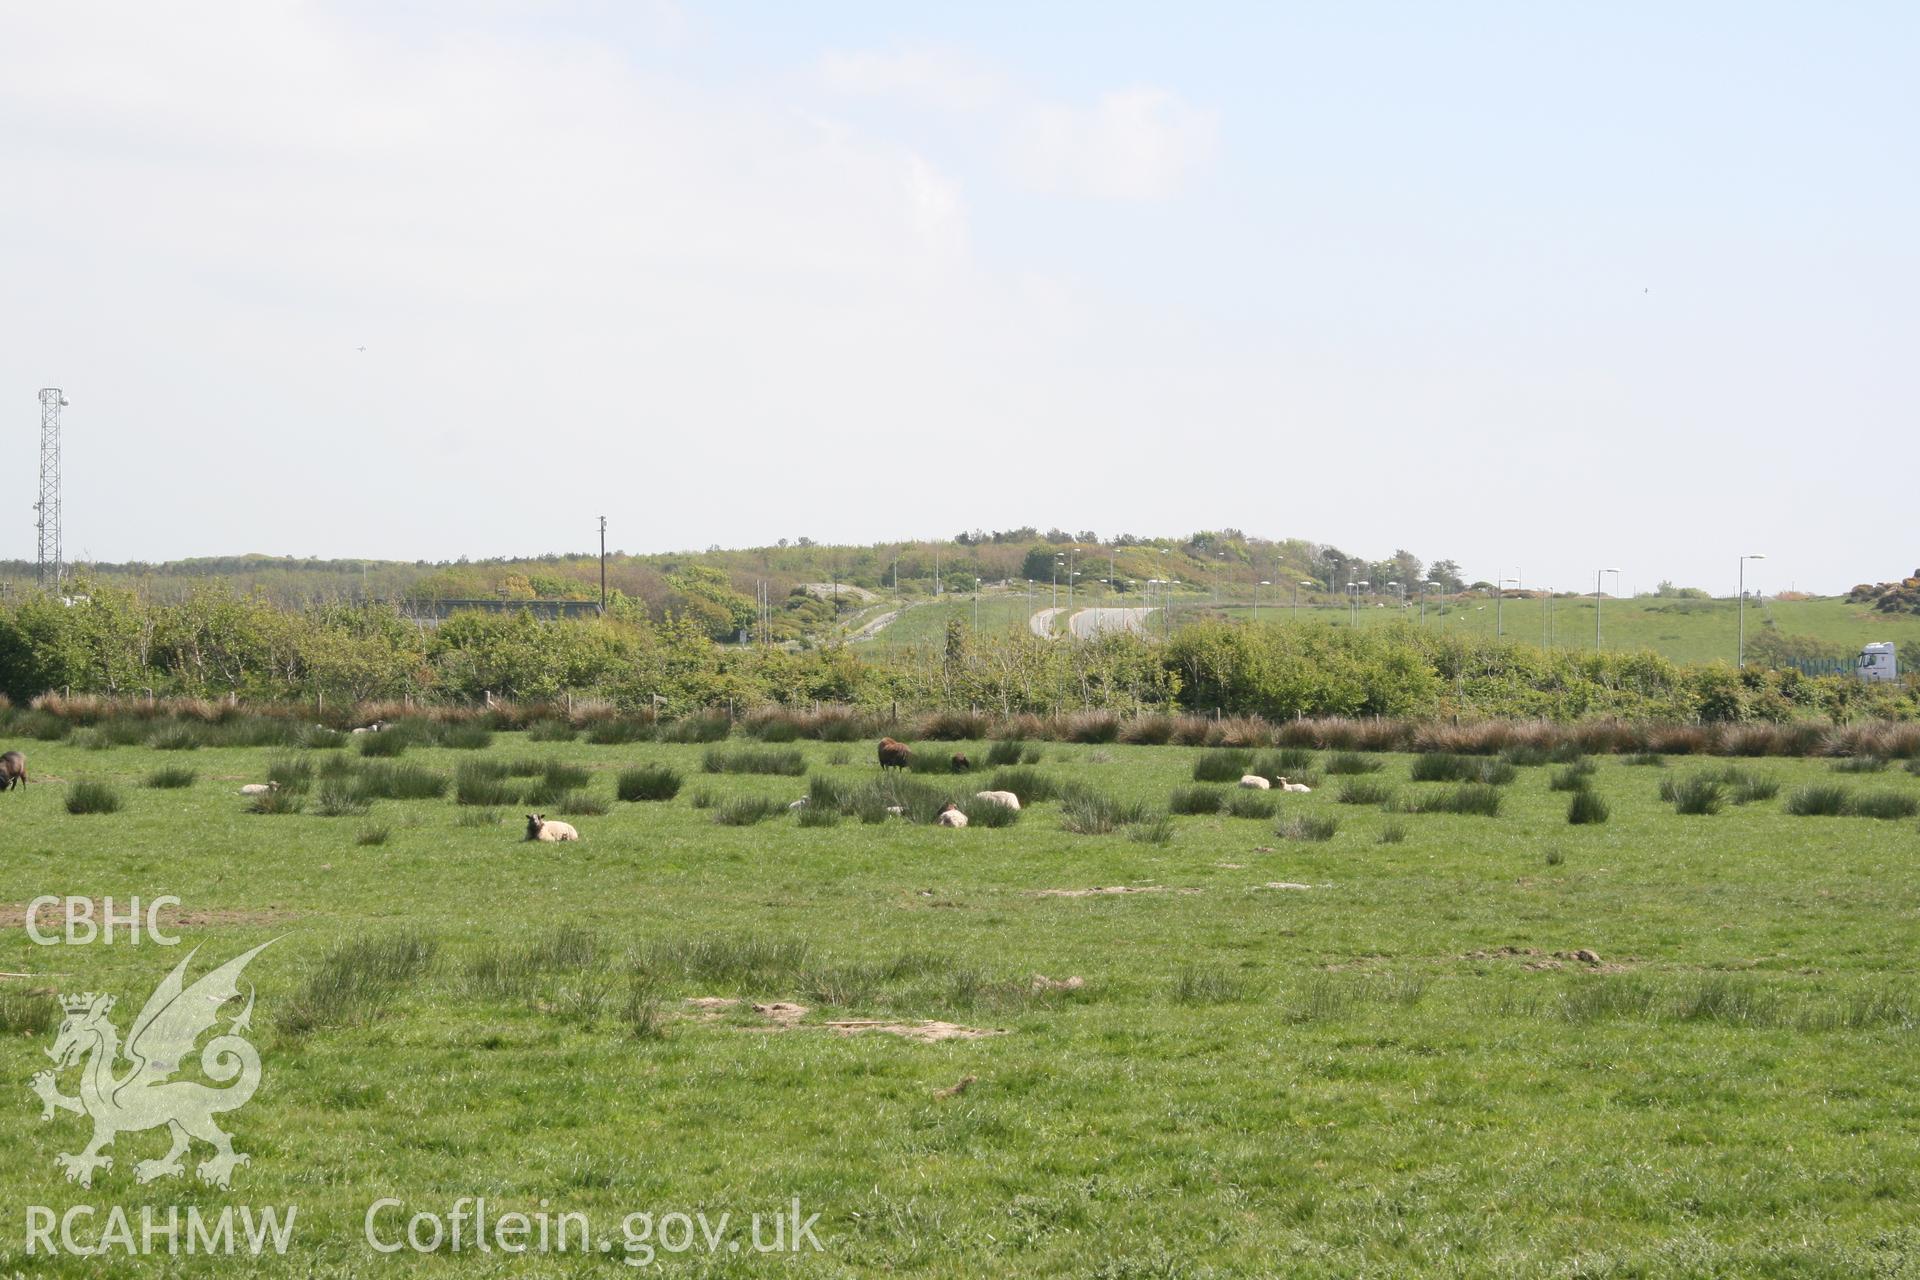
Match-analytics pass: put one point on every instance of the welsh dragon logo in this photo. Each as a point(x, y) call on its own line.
point(145, 1096)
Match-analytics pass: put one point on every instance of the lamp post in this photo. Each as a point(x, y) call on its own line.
point(1256, 597)
point(1296, 598)
point(1596, 602)
point(1499, 597)
point(1424, 588)
point(1743, 605)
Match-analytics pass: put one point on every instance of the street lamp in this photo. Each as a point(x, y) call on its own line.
point(1743, 604)
point(1596, 602)
point(1256, 597)
point(1296, 598)
point(1499, 596)
point(1424, 587)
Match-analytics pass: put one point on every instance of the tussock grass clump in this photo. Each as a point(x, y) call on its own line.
point(1859, 764)
point(1744, 787)
point(177, 737)
point(1228, 765)
point(987, 813)
point(293, 773)
point(358, 980)
point(1442, 766)
point(1031, 785)
point(619, 731)
point(1587, 808)
point(1314, 827)
point(338, 799)
point(1195, 984)
point(568, 804)
point(385, 745)
point(1394, 832)
point(739, 961)
point(819, 816)
point(402, 782)
point(1156, 830)
point(1575, 777)
point(1477, 798)
point(554, 730)
point(481, 783)
point(1351, 762)
point(374, 835)
point(561, 776)
point(647, 782)
point(1252, 804)
point(787, 762)
point(523, 767)
point(275, 803)
point(478, 818)
point(1365, 791)
point(468, 735)
point(25, 1012)
point(1526, 755)
point(320, 738)
point(1645, 759)
point(92, 797)
point(702, 798)
point(1012, 751)
point(171, 777)
point(1884, 804)
point(697, 729)
point(1092, 813)
point(1189, 801)
point(938, 762)
point(744, 811)
point(1699, 794)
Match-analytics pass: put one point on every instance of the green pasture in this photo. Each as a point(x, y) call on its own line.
point(1404, 1068)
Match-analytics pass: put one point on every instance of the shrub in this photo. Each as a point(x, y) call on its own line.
point(1091, 813)
point(92, 797)
point(648, 782)
point(1252, 804)
point(277, 802)
point(372, 835)
point(1476, 798)
point(1309, 826)
point(1884, 804)
point(788, 762)
point(170, 778)
point(1699, 794)
point(1196, 800)
point(402, 782)
point(1822, 800)
point(384, 745)
point(1351, 762)
point(744, 811)
point(553, 730)
point(1587, 808)
point(338, 799)
point(1221, 766)
point(1032, 786)
point(1365, 791)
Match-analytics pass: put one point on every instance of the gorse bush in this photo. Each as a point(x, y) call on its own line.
point(92, 797)
point(764, 760)
point(648, 782)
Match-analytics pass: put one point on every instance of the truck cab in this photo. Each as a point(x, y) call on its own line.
point(1876, 662)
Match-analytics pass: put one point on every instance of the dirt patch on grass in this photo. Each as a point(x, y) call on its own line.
point(781, 1013)
point(1536, 960)
point(1109, 890)
point(925, 1032)
point(1041, 982)
point(13, 915)
point(1284, 884)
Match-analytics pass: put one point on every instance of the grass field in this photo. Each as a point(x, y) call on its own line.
point(1401, 1069)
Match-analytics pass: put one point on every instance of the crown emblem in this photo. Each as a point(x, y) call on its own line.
point(86, 1002)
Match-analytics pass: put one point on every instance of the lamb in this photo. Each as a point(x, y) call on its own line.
point(1254, 782)
point(1301, 787)
point(548, 832)
point(894, 755)
point(797, 805)
point(13, 771)
point(259, 788)
point(1006, 798)
point(960, 762)
point(950, 816)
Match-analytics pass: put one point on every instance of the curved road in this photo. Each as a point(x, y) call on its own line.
point(1088, 623)
point(1042, 622)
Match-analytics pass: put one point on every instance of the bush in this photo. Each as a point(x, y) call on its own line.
point(170, 778)
point(402, 782)
point(1030, 785)
point(1365, 791)
point(1476, 798)
point(1309, 826)
point(1351, 762)
point(1699, 794)
point(1221, 766)
point(1586, 809)
point(92, 797)
point(788, 762)
point(1252, 804)
point(648, 782)
point(1884, 804)
point(551, 731)
point(1196, 800)
point(744, 811)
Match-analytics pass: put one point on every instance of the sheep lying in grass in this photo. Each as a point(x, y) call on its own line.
point(950, 816)
point(1301, 787)
point(13, 771)
point(259, 788)
point(1006, 798)
point(1254, 782)
point(540, 828)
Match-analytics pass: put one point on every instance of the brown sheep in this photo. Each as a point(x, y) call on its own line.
point(894, 755)
point(960, 762)
point(13, 771)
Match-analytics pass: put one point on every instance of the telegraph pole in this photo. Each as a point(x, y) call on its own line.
point(603, 566)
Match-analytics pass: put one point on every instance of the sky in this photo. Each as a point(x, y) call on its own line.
point(1536, 288)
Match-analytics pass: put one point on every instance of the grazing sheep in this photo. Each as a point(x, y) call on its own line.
point(539, 828)
point(1006, 798)
point(897, 810)
point(1254, 782)
point(259, 788)
point(797, 805)
point(376, 727)
point(950, 816)
point(960, 762)
point(13, 771)
point(1301, 787)
point(894, 755)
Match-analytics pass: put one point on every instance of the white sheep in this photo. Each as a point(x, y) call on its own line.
point(1006, 798)
point(797, 805)
point(548, 832)
point(950, 816)
point(1254, 782)
point(259, 788)
point(1301, 787)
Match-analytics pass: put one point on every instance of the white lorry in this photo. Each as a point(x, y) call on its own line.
point(1876, 662)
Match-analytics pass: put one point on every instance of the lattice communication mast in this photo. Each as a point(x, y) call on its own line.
point(52, 569)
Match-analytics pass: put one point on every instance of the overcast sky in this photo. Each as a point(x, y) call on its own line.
point(1537, 288)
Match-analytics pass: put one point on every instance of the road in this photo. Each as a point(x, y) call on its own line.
point(1042, 623)
point(1088, 623)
